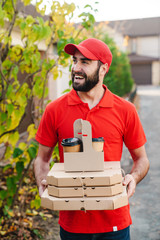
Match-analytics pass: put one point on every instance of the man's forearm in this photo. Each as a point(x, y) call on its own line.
point(140, 169)
point(41, 169)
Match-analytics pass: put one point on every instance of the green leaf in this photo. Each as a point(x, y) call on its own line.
point(9, 90)
point(11, 185)
point(27, 2)
point(3, 116)
point(7, 167)
point(17, 152)
point(3, 194)
point(10, 109)
point(13, 138)
point(23, 25)
point(40, 20)
point(66, 90)
point(9, 201)
point(36, 232)
point(19, 167)
point(2, 129)
point(36, 203)
point(32, 152)
point(35, 144)
point(15, 72)
point(60, 33)
point(86, 6)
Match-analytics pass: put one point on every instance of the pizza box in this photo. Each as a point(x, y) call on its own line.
point(84, 203)
point(64, 192)
point(74, 179)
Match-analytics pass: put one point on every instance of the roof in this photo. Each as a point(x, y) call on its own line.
point(137, 27)
point(135, 58)
point(30, 10)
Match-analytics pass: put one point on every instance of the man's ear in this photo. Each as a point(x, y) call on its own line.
point(104, 69)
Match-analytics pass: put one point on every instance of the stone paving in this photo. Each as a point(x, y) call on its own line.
point(145, 204)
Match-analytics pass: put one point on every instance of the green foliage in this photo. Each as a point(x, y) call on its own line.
point(23, 77)
point(118, 79)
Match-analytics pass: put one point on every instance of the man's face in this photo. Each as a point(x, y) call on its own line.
point(85, 73)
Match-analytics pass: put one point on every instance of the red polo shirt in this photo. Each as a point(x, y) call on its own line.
point(113, 118)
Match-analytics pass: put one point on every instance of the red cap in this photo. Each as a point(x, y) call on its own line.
point(93, 49)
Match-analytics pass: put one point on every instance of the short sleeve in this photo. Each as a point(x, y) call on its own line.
point(134, 136)
point(46, 134)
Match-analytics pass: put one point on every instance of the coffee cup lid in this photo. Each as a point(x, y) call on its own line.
point(71, 142)
point(100, 139)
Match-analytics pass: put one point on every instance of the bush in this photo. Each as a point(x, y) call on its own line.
point(118, 79)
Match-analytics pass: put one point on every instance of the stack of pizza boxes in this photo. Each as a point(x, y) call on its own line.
point(84, 181)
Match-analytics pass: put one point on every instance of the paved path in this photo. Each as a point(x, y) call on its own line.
point(145, 204)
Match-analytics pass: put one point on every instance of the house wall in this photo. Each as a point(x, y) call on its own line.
point(56, 87)
point(118, 38)
point(148, 46)
point(16, 39)
point(156, 73)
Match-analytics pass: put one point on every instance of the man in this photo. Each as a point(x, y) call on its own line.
point(111, 117)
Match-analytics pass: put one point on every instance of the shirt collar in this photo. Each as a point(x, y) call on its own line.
point(106, 101)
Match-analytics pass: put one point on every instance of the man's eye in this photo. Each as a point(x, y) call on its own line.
point(74, 60)
point(85, 62)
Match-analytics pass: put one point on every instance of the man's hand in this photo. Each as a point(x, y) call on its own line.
point(130, 183)
point(139, 170)
point(42, 187)
point(41, 166)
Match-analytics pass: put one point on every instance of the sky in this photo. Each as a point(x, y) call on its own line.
point(109, 10)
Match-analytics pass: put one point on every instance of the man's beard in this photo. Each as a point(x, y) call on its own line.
point(90, 81)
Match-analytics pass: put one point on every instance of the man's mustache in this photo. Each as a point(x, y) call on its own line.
point(79, 73)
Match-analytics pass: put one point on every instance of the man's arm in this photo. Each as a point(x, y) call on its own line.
point(41, 166)
point(139, 169)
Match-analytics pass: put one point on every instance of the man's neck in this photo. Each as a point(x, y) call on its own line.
point(92, 97)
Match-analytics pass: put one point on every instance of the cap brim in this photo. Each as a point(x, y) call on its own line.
point(71, 49)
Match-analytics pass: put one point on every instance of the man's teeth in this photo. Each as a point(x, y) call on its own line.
point(78, 77)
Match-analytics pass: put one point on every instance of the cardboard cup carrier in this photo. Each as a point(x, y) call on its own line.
point(84, 181)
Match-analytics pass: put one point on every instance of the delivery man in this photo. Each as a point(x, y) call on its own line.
point(111, 117)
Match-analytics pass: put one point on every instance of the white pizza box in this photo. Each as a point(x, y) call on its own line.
point(64, 192)
point(85, 203)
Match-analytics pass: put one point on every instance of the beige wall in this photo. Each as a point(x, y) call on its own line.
point(156, 73)
point(118, 38)
point(56, 87)
point(146, 46)
point(16, 39)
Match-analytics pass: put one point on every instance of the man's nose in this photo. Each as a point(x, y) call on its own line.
point(76, 67)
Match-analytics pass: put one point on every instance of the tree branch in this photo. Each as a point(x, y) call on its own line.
point(44, 87)
point(15, 129)
point(3, 3)
point(5, 51)
point(2, 82)
point(20, 183)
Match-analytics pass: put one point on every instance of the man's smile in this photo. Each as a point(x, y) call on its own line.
point(78, 78)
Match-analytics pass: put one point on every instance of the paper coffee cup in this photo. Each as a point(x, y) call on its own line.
point(97, 144)
point(71, 144)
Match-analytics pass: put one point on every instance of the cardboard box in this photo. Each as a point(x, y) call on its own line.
point(89, 159)
point(107, 165)
point(92, 203)
point(106, 178)
point(85, 191)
